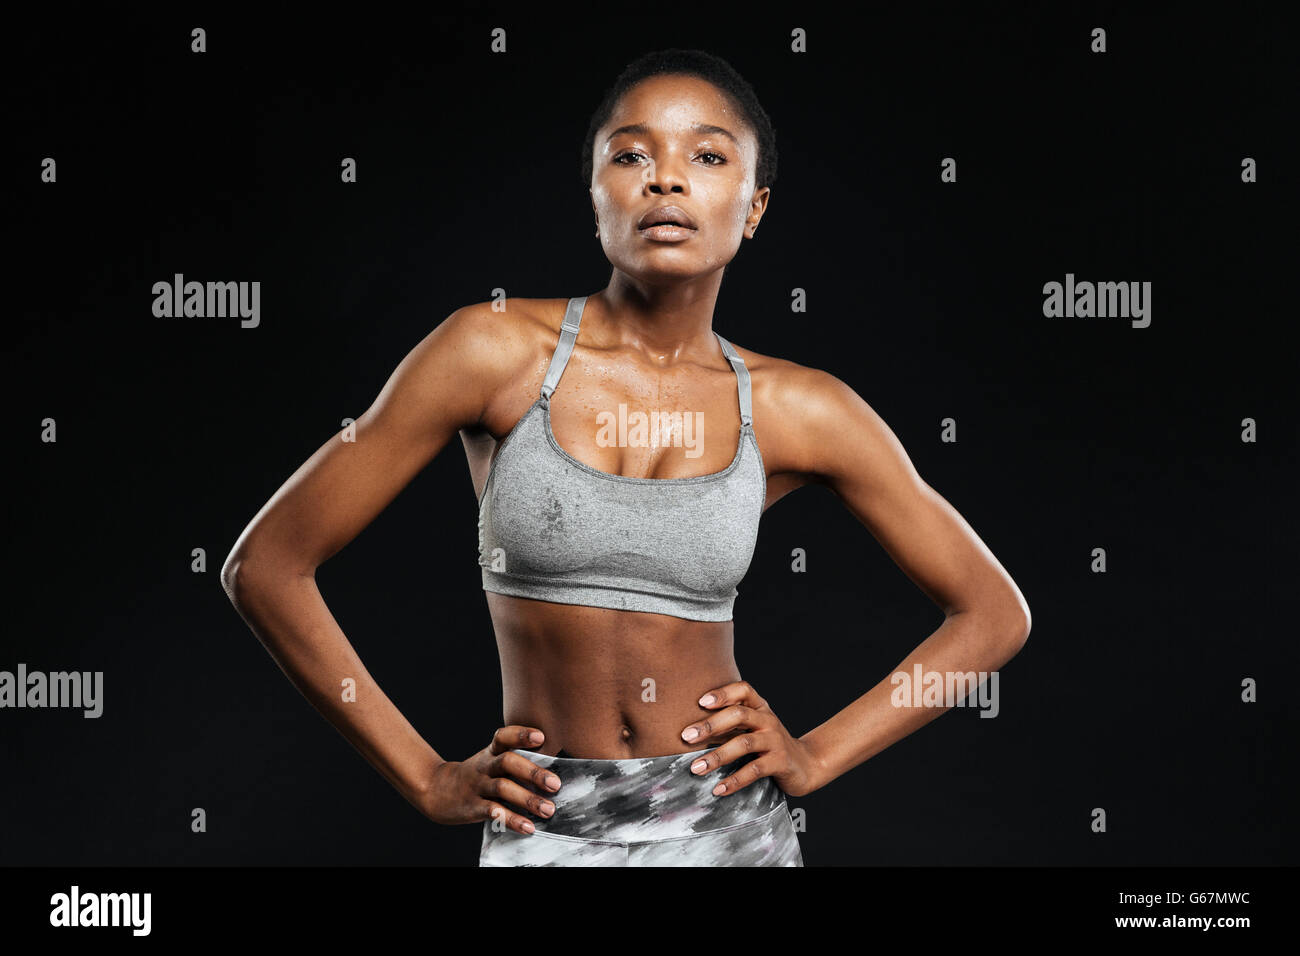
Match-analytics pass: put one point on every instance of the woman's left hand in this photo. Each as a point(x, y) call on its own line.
point(784, 758)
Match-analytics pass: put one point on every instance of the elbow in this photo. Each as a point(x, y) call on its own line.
point(240, 574)
point(248, 573)
point(1005, 624)
point(233, 576)
point(1016, 632)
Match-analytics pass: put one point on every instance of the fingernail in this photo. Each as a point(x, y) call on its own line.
point(528, 827)
point(699, 765)
point(547, 809)
point(690, 733)
point(535, 737)
point(706, 700)
point(719, 789)
point(553, 783)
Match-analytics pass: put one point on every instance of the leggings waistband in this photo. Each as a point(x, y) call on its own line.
point(647, 798)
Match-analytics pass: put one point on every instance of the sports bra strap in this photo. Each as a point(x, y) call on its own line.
point(742, 380)
point(568, 335)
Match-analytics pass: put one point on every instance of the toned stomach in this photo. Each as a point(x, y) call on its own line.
point(606, 684)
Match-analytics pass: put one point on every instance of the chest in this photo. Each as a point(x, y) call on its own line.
point(545, 512)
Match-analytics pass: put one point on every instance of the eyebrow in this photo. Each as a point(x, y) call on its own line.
point(704, 128)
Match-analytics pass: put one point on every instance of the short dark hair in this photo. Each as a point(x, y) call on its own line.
point(706, 66)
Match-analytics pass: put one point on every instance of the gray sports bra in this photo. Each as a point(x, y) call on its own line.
point(552, 528)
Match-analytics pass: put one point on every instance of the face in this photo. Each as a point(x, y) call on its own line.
point(674, 140)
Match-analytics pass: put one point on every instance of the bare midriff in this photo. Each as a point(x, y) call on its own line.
point(608, 684)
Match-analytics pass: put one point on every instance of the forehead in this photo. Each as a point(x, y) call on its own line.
point(671, 103)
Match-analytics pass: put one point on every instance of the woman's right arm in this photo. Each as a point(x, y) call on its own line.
point(443, 385)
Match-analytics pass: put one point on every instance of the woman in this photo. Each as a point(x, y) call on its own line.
point(610, 550)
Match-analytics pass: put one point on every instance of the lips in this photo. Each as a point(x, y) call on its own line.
point(666, 215)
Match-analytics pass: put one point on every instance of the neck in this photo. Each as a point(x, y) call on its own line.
point(664, 322)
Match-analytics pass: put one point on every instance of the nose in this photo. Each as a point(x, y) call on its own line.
point(664, 177)
point(658, 186)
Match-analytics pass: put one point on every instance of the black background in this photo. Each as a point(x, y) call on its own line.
point(926, 297)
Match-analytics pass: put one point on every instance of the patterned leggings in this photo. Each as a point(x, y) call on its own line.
point(649, 811)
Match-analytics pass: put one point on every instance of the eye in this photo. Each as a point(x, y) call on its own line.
point(719, 159)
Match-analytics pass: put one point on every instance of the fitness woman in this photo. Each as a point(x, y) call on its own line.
point(610, 555)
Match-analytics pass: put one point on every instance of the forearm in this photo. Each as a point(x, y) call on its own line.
point(965, 642)
point(290, 618)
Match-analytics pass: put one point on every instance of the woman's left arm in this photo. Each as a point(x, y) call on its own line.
point(832, 437)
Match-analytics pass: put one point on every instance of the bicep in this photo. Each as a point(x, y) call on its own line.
point(861, 460)
point(440, 387)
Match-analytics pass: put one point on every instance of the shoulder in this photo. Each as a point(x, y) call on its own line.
point(502, 336)
point(808, 416)
point(784, 389)
point(505, 324)
point(471, 356)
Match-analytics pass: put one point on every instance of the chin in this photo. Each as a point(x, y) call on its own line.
point(654, 267)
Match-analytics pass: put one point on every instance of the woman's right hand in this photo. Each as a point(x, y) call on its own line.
point(490, 784)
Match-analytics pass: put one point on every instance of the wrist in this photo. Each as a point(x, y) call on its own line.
point(418, 788)
point(820, 772)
